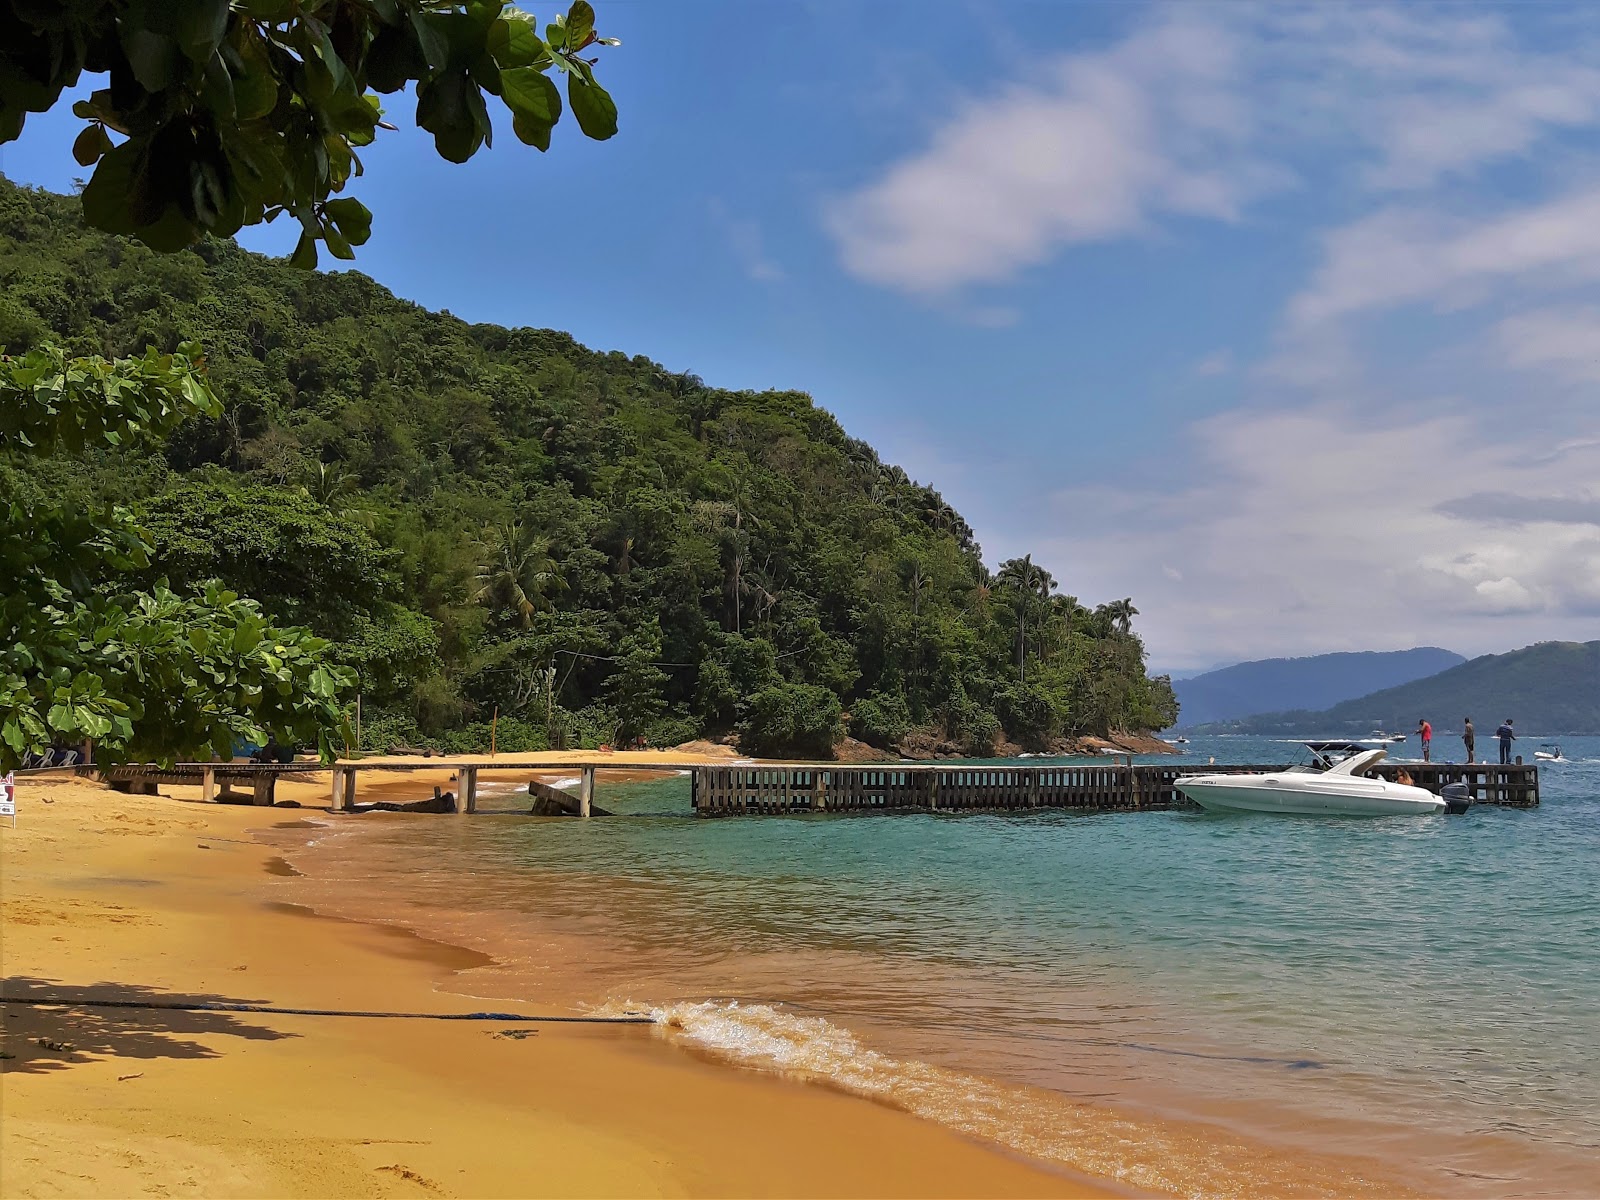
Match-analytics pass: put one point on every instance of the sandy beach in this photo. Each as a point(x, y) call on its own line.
point(164, 900)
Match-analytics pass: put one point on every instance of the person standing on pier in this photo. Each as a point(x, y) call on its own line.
point(1468, 738)
point(1506, 735)
point(1425, 732)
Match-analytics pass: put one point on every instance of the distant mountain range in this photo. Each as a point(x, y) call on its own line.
point(1549, 688)
point(1320, 681)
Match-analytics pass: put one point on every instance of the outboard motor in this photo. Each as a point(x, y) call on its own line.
point(1457, 798)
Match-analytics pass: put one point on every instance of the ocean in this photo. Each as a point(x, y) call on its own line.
point(1189, 1003)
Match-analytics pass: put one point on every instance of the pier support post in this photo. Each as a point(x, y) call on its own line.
point(261, 789)
point(208, 785)
point(337, 804)
point(586, 791)
point(467, 790)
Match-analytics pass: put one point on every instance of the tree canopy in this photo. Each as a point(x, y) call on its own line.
point(147, 673)
point(218, 114)
point(588, 544)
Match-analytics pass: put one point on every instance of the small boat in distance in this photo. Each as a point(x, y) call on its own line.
point(1180, 741)
point(1329, 787)
point(1550, 752)
point(1380, 737)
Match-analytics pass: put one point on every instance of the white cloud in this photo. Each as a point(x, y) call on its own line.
point(1198, 113)
point(1403, 256)
point(1218, 362)
point(1315, 530)
point(1148, 127)
point(1433, 92)
point(1563, 340)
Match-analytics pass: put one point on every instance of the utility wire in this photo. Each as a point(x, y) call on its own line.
point(224, 1006)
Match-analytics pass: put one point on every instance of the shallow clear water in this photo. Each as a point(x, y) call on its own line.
point(1419, 991)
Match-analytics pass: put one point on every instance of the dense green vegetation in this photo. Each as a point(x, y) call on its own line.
point(86, 650)
point(1547, 688)
point(499, 520)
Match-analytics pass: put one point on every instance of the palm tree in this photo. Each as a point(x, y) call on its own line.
point(1062, 611)
point(328, 484)
point(728, 518)
point(917, 581)
point(515, 571)
point(1029, 583)
point(1122, 613)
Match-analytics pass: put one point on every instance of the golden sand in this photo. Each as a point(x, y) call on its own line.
point(154, 898)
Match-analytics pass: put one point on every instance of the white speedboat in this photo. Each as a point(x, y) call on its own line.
point(1549, 753)
point(1339, 789)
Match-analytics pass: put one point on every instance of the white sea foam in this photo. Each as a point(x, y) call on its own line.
point(1045, 1125)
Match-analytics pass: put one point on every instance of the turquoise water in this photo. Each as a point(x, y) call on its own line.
point(1422, 992)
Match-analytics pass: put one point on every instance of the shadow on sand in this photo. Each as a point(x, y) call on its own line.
point(37, 1039)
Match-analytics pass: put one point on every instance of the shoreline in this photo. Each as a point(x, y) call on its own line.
point(116, 896)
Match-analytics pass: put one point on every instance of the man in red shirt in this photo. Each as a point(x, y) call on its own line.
point(1425, 732)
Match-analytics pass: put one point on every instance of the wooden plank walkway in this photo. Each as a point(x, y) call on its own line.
point(774, 789)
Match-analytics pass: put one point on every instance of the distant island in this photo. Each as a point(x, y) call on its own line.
point(516, 540)
point(1550, 688)
point(1315, 682)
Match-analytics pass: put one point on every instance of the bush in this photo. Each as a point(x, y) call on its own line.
point(1027, 715)
point(969, 724)
point(797, 719)
point(379, 733)
point(880, 719)
point(511, 736)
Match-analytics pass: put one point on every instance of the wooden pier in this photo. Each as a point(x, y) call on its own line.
point(747, 789)
point(775, 789)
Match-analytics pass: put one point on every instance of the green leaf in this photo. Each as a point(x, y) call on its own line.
point(90, 145)
point(105, 198)
point(432, 39)
point(305, 253)
point(337, 246)
point(201, 27)
point(394, 59)
point(594, 108)
point(514, 41)
point(155, 60)
point(580, 25)
point(530, 93)
point(451, 108)
point(353, 219)
point(255, 85)
point(531, 132)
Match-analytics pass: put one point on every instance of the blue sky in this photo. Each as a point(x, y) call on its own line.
point(1284, 321)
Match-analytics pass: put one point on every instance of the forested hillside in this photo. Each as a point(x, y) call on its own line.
point(499, 520)
point(1546, 688)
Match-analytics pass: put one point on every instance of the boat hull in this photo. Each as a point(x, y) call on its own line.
point(1308, 795)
